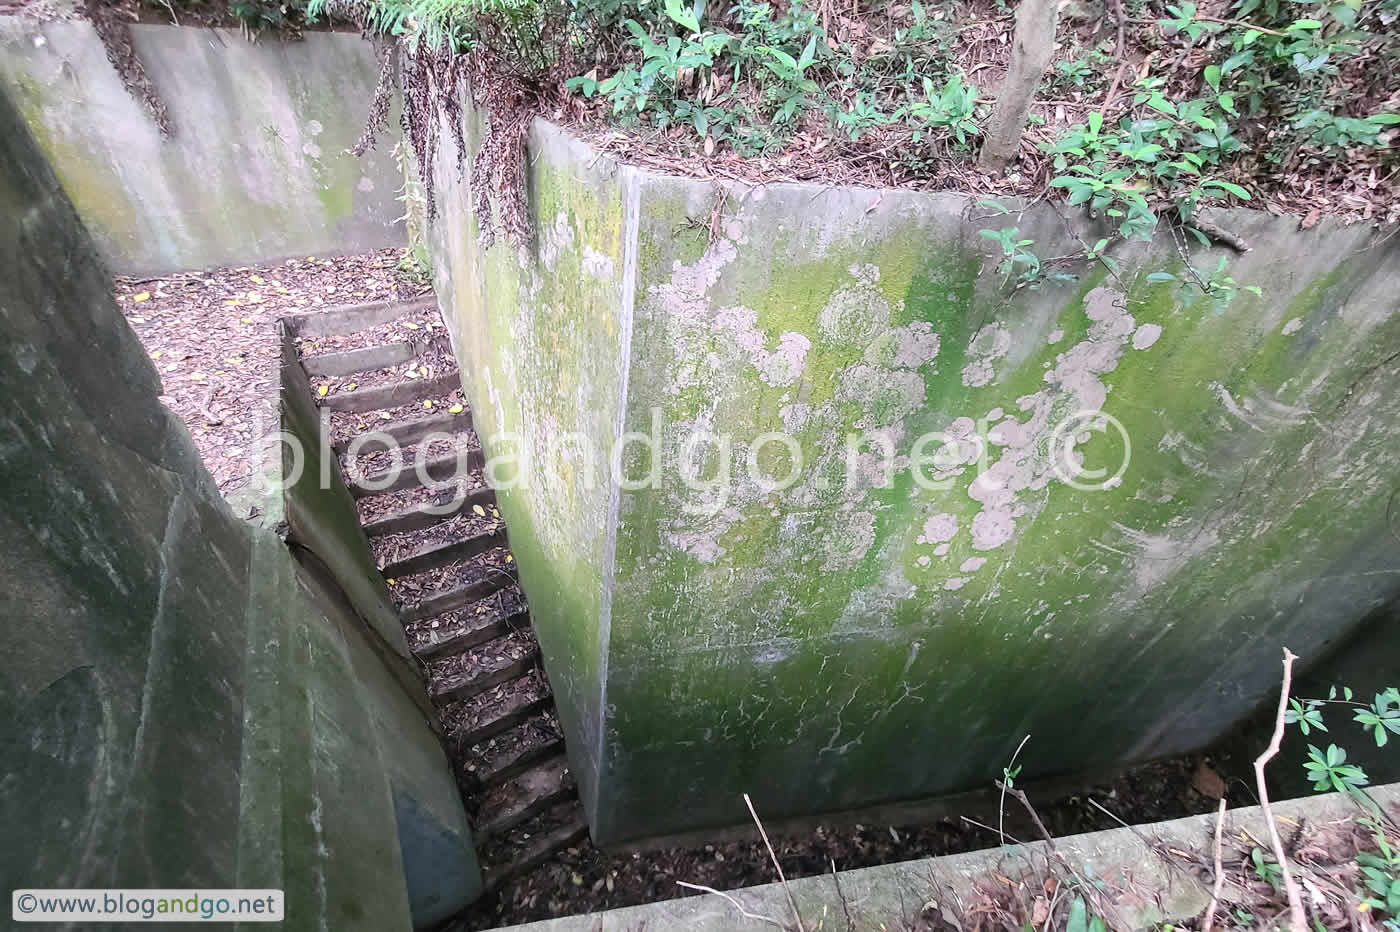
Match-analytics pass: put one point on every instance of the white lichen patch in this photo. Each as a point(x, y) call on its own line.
point(940, 527)
point(1146, 335)
point(988, 345)
point(1293, 326)
point(972, 564)
point(597, 265)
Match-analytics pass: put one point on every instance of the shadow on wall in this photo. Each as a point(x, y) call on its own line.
point(178, 706)
point(256, 168)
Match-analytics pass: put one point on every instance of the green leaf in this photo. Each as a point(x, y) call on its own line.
point(1158, 277)
point(1384, 119)
point(1078, 916)
point(1212, 76)
point(683, 15)
point(1234, 189)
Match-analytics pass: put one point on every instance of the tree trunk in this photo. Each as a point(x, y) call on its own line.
point(1031, 52)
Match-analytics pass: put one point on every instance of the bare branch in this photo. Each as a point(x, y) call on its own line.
point(1209, 923)
point(786, 889)
point(1297, 917)
point(733, 902)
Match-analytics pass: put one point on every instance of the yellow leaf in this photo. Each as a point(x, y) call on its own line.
point(255, 279)
point(479, 510)
point(247, 320)
point(157, 354)
point(253, 297)
point(351, 386)
point(386, 415)
point(360, 426)
point(427, 404)
point(298, 300)
point(510, 559)
point(359, 294)
point(410, 325)
point(322, 390)
point(138, 320)
point(455, 409)
point(234, 361)
point(143, 296)
point(389, 581)
point(232, 301)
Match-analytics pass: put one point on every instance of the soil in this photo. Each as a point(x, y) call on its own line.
point(213, 337)
point(1358, 184)
point(584, 878)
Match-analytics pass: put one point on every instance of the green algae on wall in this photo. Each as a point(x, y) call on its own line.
point(257, 168)
point(944, 573)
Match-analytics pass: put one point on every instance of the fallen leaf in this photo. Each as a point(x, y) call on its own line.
point(143, 296)
point(322, 390)
point(427, 404)
point(255, 279)
point(410, 325)
point(479, 510)
point(386, 415)
point(351, 386)
point(157, 354)
point(455, 409)
point(1207, 782)
point(510, 559)
point(253, 297)
point(138, 320)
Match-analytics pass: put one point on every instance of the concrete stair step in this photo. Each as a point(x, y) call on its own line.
point(352, 318)
point(436, 556)
point(407, 433)
point(490, 582)
point(383, 397)
point(359, 360)
point(518, 714)
point(541, 849)
point(467, 685)
point(528, 794)
point(522, 761)
point(438, 468)
point(462, 641)
point(424, 516)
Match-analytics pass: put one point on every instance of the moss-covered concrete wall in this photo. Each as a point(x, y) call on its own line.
point(257, 166)
point(182, 703)
point(891, 623)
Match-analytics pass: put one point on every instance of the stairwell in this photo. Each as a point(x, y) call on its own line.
point(387, 370)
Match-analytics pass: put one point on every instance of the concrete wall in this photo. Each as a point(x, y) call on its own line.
point(256, 168)
point(839, 644)
point(182, 703)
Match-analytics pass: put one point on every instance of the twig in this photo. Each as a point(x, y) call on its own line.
point(773, 855)
point(204, 404)
point(735, 903)
point(1024, 800)
point(1219, 871)
point(1220, 234)
point(1118, 54)
point(845, 906)
point(1001, 806)
point(1295, 899)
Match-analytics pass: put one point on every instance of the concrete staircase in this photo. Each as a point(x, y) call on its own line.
point(385, 375)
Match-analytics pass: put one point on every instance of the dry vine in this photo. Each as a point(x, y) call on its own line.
point(115, 35)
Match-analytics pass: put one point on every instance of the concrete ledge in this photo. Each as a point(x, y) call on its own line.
point(1148, 888)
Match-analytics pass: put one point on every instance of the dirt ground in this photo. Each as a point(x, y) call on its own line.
point(213, 337)
point(585, 878)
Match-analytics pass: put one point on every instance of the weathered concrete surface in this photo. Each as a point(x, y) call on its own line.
point(256, 168)
point(181, 703)
point(851, 639)
point(1146, 889)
